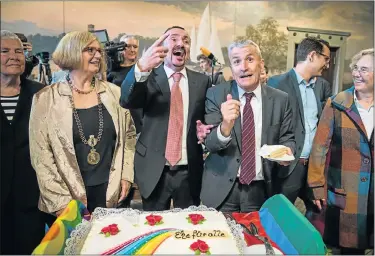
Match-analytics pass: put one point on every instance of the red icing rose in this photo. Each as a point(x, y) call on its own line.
point(200, 247)
point(110, 230)
point(203, 247)
point(154, 220)
point(194, 246)
point(196, 219)
point(105, 230)
point(113, 229)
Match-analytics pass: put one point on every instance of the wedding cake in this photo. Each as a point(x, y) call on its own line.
point(184, 232)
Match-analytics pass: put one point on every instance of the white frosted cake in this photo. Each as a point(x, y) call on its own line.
point(191, 233)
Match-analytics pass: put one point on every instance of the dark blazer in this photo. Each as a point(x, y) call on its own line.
point(153, 96)
point(222, 164)
point(19, 185)
point(288, 83)
point(117, 77)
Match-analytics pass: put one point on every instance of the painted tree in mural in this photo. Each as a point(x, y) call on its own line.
point(272, 42)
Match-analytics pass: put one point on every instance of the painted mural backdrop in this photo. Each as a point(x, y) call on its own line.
point(211, 24)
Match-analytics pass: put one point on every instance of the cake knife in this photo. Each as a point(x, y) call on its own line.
point(254, 231)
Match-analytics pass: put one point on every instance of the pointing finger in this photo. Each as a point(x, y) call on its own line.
point(161, 39)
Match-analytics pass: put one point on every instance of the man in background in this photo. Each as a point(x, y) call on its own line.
point(264, 75)
point(206, 65)
point(31, 61)
point(307, 96)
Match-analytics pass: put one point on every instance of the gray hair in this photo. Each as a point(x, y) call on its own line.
point(125, 37)
point(243, 43)
point(6, 34)
point(359, 55)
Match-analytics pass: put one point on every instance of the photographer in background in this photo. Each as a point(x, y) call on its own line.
point(130, 54)
point(206, 65)
point(30, 60)
point(117, 76)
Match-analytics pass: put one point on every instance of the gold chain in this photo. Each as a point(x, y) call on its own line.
point(78, 121)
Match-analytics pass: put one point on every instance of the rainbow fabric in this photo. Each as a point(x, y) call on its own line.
point(145, 244)
point(54, 241)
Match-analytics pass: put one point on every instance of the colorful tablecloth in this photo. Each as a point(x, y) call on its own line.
point(54, 241)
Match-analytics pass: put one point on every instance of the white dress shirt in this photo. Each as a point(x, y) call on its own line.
point(184, 85)
point(367, 116)
point(256, 104)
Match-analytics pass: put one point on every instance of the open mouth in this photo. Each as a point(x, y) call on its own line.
point(179, 52)
point(94, 62)
point(358, 81)
point(246, 75)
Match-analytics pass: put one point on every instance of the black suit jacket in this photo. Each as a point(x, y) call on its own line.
point(19, 185)
point(153, 96)
point(222, 164)
point(288, 83)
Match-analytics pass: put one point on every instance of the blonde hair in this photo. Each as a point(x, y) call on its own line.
point(68, 52)
point(359, 55)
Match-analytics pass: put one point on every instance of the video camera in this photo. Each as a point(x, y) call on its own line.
point(113, 50)
point(43, 57)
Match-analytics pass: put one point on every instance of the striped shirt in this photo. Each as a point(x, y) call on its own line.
point(9, 104)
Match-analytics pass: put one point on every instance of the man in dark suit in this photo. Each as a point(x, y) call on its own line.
point(245, 115)
point(22, 224)
point(168, 160)
point(307, 93)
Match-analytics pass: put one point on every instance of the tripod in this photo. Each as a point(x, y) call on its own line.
point(45, 74)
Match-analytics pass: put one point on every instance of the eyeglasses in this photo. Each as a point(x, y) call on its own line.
point(92, 50)
point(362, 70)
point(326, 58)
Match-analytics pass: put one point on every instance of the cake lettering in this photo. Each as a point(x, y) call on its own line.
point(193, 234)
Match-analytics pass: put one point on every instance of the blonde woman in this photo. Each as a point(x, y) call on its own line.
point(82, 142)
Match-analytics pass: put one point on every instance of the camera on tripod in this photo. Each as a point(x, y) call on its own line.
point(43, 57)
point(113, 50)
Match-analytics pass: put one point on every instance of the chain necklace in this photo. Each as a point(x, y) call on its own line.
point(93, 157)
point(92, 86)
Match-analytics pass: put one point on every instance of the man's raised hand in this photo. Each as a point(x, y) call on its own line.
point(230, 111)
point(154, 55)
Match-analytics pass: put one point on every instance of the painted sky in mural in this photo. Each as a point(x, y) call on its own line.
point(149, 19)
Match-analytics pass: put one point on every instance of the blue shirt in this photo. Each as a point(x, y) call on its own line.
point(310, 112)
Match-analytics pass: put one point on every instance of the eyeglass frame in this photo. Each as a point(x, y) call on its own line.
point(92, 53)
point(360, 70)
point(326, 58)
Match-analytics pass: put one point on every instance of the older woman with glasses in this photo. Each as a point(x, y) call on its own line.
point(82, 142)
point(341, 167)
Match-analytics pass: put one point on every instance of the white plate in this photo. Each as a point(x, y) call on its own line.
point(267, 149)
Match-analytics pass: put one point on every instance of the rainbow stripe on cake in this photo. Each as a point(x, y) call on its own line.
point(144, 244)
